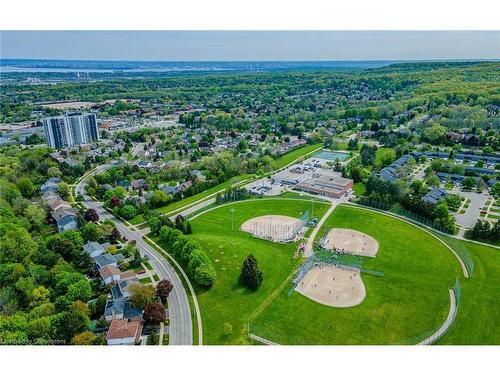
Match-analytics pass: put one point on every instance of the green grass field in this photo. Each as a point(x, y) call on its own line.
point(404, 306)
point(479, 311)
point(410, 300)
point(227, 301)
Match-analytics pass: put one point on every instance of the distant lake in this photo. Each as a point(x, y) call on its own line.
point(65, 66)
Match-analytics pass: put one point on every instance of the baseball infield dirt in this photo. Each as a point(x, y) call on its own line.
point(350, 242)
point(333, 286)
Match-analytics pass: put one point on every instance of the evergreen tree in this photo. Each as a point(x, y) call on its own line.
point(251, 276)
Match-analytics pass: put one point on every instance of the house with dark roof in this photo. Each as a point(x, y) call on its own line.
point(105, 260)
point(390, 173)
point(51, 184)
point(172, 190)
point(121, 309)
point(138, 184)
point(435, 195)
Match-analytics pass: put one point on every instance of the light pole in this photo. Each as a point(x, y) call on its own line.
point(232, 219)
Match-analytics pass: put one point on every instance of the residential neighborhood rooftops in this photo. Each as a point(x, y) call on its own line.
point(105, 260)
point(435, 195)
point(93, 248)
point(124, 329)
point(51, 184)
point(109, 270)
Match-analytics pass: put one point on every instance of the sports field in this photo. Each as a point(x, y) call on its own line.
point(228, 301)
point(410, 300)
point(404, 305)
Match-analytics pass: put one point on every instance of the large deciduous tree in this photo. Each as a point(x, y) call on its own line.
point(154, 313)
point(142, 295)
point(91, 215)
point(163, 289)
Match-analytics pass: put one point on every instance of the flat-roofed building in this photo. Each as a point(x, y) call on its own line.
point(71, 130)
point(329, 186)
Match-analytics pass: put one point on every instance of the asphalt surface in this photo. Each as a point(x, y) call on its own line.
point(470, 217)
point(180, 328)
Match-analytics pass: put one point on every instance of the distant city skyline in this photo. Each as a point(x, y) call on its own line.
point(250, 45)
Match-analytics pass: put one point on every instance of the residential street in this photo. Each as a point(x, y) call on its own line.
point(180, 328)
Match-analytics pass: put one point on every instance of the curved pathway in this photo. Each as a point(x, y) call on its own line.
point(447, 323)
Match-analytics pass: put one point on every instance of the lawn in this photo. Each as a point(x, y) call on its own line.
point(228, 301)
point(406, 304)
point(137, 220)
point(479, 310)
point(293, 155)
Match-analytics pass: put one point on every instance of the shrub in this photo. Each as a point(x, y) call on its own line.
point(205, 275)
point(177, 246)
point(187, 249)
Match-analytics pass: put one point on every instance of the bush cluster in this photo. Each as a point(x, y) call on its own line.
point(199, 267)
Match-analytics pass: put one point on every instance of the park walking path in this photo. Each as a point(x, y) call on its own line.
point(162, 333)
point(309, 248)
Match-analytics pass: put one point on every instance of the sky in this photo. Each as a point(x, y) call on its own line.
point(249, 45)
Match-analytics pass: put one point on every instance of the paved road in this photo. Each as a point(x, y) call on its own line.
point(180, 328)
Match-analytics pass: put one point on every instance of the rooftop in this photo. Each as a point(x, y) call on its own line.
point(122, 329)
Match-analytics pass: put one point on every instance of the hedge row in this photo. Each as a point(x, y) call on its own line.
point(199, 267)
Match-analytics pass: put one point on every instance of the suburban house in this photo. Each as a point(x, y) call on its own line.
point(138, 184)
point(55, 203)
point(172, 190)
point(93, 248)
point(195, 173)
point(124, 332)
point(109, 274)
point(60, 210)
point(435, 195)
point(52, 184)
point(124, 287)
point(121, 309)
point(66, 218)
point(185, 185)
point(105, 260)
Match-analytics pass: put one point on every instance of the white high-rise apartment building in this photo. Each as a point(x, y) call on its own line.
point(70, 130)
